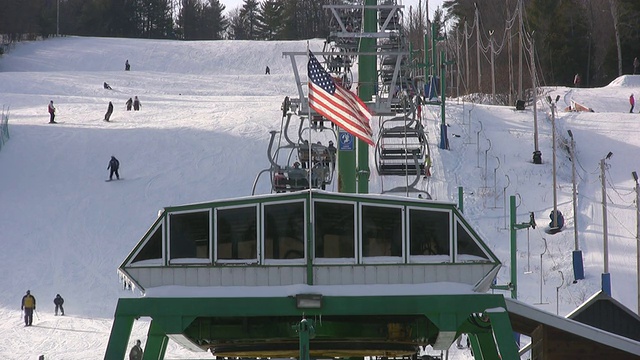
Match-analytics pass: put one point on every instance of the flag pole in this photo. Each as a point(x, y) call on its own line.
point(309, 162)
point(310, 243)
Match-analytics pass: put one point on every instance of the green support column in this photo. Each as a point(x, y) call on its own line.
point(444, 138)
point(346, 164)
point(426, 59)
point(487, 347)
point(306, 332)
point(157, 341)
point(503, 333)
point(367, 73)
point(120, 333)
point(475, 347)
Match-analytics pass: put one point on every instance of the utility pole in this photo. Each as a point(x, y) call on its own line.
point(537, 154)
point(493, 69)
point(635, 178)
point(466, 47)
point(606, 277)
point(554, 224)
point(478, 49)
point(578, 267)
point(520, 36)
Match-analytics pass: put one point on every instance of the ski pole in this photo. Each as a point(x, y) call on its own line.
point(37, 317)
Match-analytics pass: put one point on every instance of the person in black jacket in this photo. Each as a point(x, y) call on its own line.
point(129, 103)
point(136, 351)
point(114, 165)
point(58, 301)
point(107, 116)
point(28, 306)
point(136, 103)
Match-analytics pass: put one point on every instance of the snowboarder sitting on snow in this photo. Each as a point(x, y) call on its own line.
point(58, 301)
point(114, 164)
point(106, 86)
point(136, 352)
point(107, 116)
point(136, 103)
point(129, 103)
point(28, 306)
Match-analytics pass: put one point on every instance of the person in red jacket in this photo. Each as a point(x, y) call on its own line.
point(52, 112)
point(632, 102)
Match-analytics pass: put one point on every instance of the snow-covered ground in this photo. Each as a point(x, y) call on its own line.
point(202, 134)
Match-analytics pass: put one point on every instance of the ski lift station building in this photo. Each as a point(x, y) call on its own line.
point(315, 274)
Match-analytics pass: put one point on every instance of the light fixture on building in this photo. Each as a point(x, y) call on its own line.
point(308, 301)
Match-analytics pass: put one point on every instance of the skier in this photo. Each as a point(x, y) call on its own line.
point(136, 103)
point(127, 67)
point(129, 103)
point(632, 102)
point(418, 100)
point(427, 166)
point(331, 152)
point(279, 181)
point(136, 352)
point(106, 86)
point(52, 113)
point(58, 301)
point(267, 71)
point(107, 116)
point(114, 165)
point(28, 306)
point(576, 80)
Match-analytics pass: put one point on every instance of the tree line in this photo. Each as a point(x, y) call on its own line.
point(597, 39)
point(165, 19)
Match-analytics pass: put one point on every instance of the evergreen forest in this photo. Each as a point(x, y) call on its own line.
point(485, 42)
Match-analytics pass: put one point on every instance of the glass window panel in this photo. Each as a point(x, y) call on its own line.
point(381, 231)
point(334, 230)
point(189, 235)
point(237, 233)
point(284, 229)
point(152, 250)
point(467, 246)
point(429, 232)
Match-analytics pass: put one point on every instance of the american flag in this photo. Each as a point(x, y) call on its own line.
point(336, 103)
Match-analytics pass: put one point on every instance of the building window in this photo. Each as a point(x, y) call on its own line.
point(189, 235)
point(151, 252)
point(334, 230)
point(284, 231)
point(237, 233)
point(468, 248)
point(381, 231)
point(429, 232)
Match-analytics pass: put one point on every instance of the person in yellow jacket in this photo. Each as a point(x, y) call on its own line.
point(28, 306)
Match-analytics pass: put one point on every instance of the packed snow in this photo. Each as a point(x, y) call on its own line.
point(202, 134)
